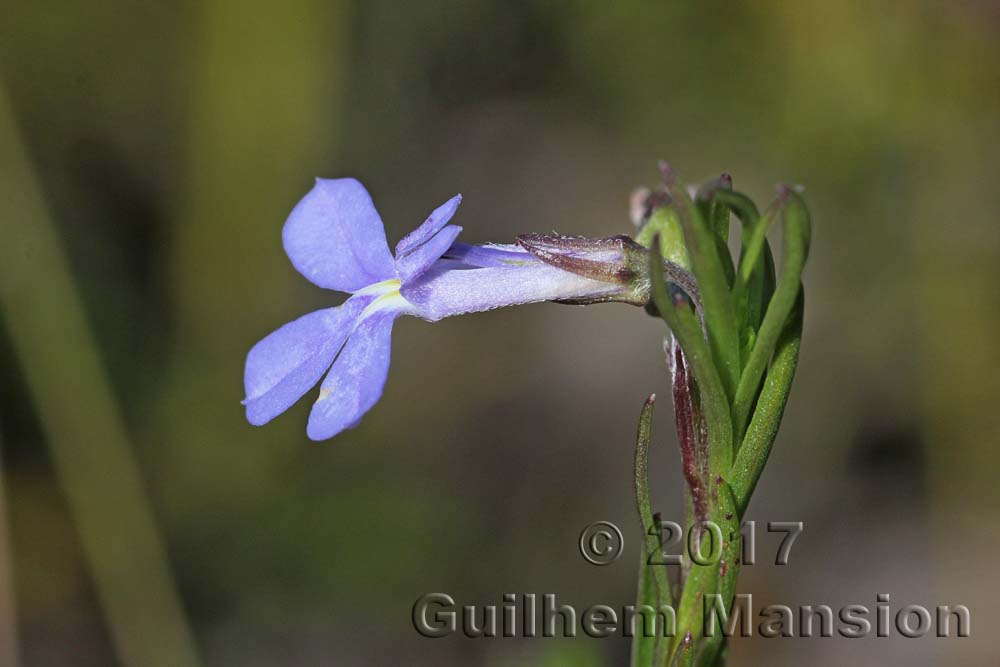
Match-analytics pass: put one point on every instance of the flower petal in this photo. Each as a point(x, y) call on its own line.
point(412, 264)
point(431, 226)
point(443, 291)
point(355, 382)
point(288, 362)
point(335, 238)
point(490, 255)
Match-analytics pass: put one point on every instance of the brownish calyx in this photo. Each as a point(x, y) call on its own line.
point(612, 259)
point(616, 259)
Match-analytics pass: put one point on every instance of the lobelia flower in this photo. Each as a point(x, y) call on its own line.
point(335, 238)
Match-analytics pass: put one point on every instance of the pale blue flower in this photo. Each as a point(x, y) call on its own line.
point(335, 238)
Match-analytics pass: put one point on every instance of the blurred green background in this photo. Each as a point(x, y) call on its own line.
point(149, 153)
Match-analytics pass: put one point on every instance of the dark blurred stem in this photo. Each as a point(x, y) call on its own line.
point(8, 610)
point(82, 425)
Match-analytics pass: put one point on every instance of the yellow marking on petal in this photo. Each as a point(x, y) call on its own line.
point(392, 300)
point(391, 285)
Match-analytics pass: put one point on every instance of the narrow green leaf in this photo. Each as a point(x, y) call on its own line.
point(741, 205)
point(756, 447)
point(717, 304)
point(648, 651)
point(685, 326)
point(718, 219)
point(748, 289)
point(795, 249)
point(701, 579)
point(717, 215)
point(654, 589)
point(726, 261)
point(754, 228)
point(759, 290)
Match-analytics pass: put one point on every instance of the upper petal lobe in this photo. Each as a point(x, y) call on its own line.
point(335, 238)
point(412, 264)
point(431, 226)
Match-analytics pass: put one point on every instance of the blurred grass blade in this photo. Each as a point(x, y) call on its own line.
point(756, 447)
point(82, 425)
point(795, 249)
point(260, 114)
point(9, 653)
point(654, 589)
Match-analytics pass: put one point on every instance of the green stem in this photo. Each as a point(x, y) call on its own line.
point(728, 518)
point(715, 406)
